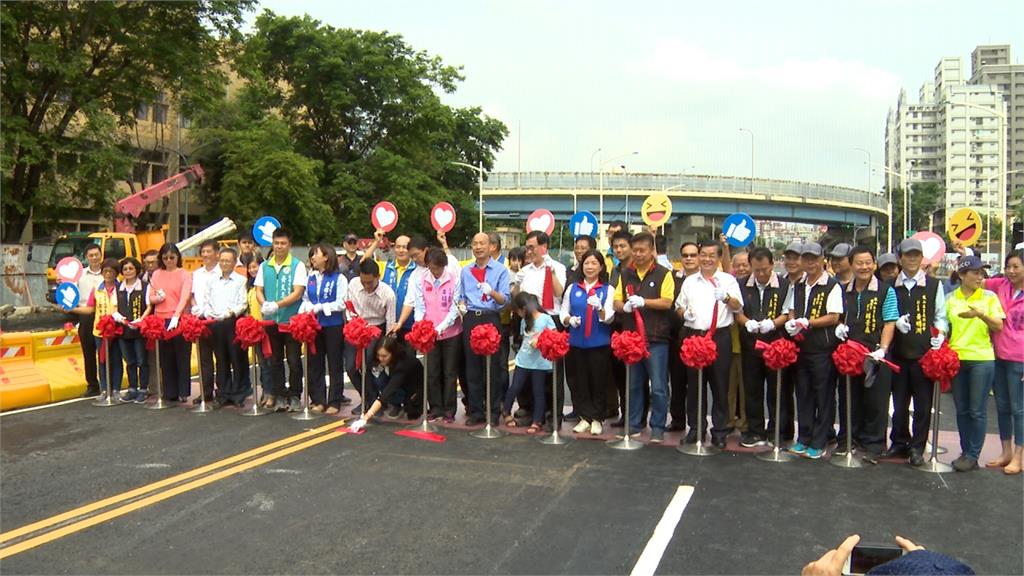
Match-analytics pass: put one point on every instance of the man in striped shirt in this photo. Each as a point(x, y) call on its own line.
point(374, 302)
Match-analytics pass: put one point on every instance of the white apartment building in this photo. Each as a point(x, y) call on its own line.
point(950, 135)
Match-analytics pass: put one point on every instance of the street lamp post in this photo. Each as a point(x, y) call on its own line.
point(600, 194)
point(906, 211)
point(480, 195)
point(869, 165)
point(592, 154)
point(748, 131)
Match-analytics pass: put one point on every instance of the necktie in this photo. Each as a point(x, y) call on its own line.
point(548, 296)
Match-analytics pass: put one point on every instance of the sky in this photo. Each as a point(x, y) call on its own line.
point(675, 81)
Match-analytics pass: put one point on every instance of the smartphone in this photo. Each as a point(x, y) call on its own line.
point(867, 556)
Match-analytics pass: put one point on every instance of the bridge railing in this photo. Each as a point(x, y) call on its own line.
point(681, 182)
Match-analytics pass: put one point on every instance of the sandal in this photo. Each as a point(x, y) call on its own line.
point(269, 401)
point(510, 422)
point(331, 411)
point(534, 428)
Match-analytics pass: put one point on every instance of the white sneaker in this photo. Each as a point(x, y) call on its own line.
point(581, 427)
point(595, 428)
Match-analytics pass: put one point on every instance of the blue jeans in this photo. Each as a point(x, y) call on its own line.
point(135, 357)
point(1009, 393)
point(655, 369)
point(533, 381)
point(970, 394)
point(114, 360)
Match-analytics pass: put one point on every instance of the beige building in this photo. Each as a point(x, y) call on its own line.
point(955, 135)
point(992, 65)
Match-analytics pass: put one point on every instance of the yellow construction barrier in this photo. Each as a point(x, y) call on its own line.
point(21, 383)
point(58, 356)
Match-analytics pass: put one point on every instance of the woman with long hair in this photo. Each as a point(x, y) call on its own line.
point(325, 296)
point(170, 291)
point(1008, 384)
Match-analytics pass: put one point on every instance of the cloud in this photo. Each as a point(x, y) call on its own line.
point(678, 61)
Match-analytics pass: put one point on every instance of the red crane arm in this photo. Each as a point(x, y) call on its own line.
point(128, 209)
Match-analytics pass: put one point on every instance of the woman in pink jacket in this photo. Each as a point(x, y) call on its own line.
point(1008, 384)
point(434, 299)
point(170, 290)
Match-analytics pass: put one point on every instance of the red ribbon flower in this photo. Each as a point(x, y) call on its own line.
point(360, 334)
point(152, 329)
point(485, 340)
point(303, 328)
point(553, 345)
point(849, 360)
point(422, 336)
point(629, 346)
point(68, 326)
point(108, 329)
point(250, 332)
point(778, 354)
point(698, 351)
point(194, 328)
point(941, 365)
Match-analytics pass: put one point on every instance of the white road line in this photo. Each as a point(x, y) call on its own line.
point(651, 556)
point(44, 406)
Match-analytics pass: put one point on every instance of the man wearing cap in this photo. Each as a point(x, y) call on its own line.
point(888, 267)
point(922, 312)
point(814, 305)
point(870, 320)
point(348, 261)
point(791, 262)
point(839, 259)
point(761, 318)
point(794, 273)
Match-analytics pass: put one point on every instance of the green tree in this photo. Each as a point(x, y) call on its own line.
point(925, 198)
point(365, 106)
point(75, 72)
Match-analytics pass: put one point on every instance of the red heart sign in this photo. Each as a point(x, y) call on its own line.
point(384, 216)
point(442, 217)
point(541, 219)
point(69, 269)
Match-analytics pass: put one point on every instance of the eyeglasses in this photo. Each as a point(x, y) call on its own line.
point(170, 256)
point(689, 255)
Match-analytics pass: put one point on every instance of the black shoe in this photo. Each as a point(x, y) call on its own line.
point(394, 411)
point(219, 403)
point(903, 452)
point(751, 440)
point(718, 442)
point(676, 426)
point(916, 459)
point(965, 464)
point(475, 420)
point(345, 401)
point(91, 392)
point(691, 437)
point(620, 423)
point(571, 417)
point(357, 411)
point(199, 400)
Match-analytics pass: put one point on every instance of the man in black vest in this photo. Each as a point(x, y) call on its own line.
point(870, 319)
point(688, 251)
point(761, 318)
point(623, 255)
point(707, 303)
point(922, 306)
point(814, 305)
point(645, 289)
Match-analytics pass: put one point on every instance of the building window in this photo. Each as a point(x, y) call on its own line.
point(140, 173)
point(160, 113)
point(142, 112)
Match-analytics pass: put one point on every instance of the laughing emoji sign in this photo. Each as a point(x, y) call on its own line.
point(965, 226)
point(656, 210)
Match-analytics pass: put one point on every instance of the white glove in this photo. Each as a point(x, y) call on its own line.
point(877, 355)
point(803, 323)
point(305, 307)
point(765, 326)
point(269, 307)
point(485, 288)
point(627, 306)
point(903, 324)
point(462, 308)
point(358, 425)
point(519, 277)
point(594, 301)
point(937, 341)
point(791, 328)
point(438, 330)
point(689, 315)
point(575, 321)
point(317, 308)
point(637, 301)
point(720, 294)
point(752, 326)
point(118, 317)
point(842, 332)
point(157, 297)
point(173, 323)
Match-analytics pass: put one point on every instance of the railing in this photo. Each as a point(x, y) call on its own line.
point(689, 183)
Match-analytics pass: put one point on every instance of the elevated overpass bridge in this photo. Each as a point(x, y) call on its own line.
point(700, 201)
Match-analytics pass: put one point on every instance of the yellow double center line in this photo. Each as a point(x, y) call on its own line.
point(235, 464)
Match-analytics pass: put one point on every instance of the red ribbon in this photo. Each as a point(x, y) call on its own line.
point(848, 360)
point(359, 334)
point(552, 344)
point(548, 295)
point(714, 316)
point(485, 340)
point(590, 313)
point(698, 351)
point(303, 328)
point(152, 328)
point(779, 354)
point(640, 328)
point(480, 274)
point(249, 332)
point(630, 346)
point(192, 328)
point(108, 329)
point(940, 365)
point(422, 336)
point(863, 350)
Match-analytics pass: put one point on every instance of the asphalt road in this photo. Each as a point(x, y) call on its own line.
point(377, 503)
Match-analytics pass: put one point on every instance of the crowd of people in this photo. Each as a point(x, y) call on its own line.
point(890, 304)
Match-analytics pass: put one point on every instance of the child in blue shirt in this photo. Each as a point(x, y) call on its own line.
point(531, 367)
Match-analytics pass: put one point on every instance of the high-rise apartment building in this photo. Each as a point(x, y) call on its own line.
point(954, 134)
point(991, 65)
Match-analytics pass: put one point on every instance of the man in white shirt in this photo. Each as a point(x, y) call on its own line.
point(706, 303)
point(92, 276)
point(374, 302)
point(225, 301)
point(200, 279)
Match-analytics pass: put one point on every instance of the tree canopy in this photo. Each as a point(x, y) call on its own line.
point(74, 74)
